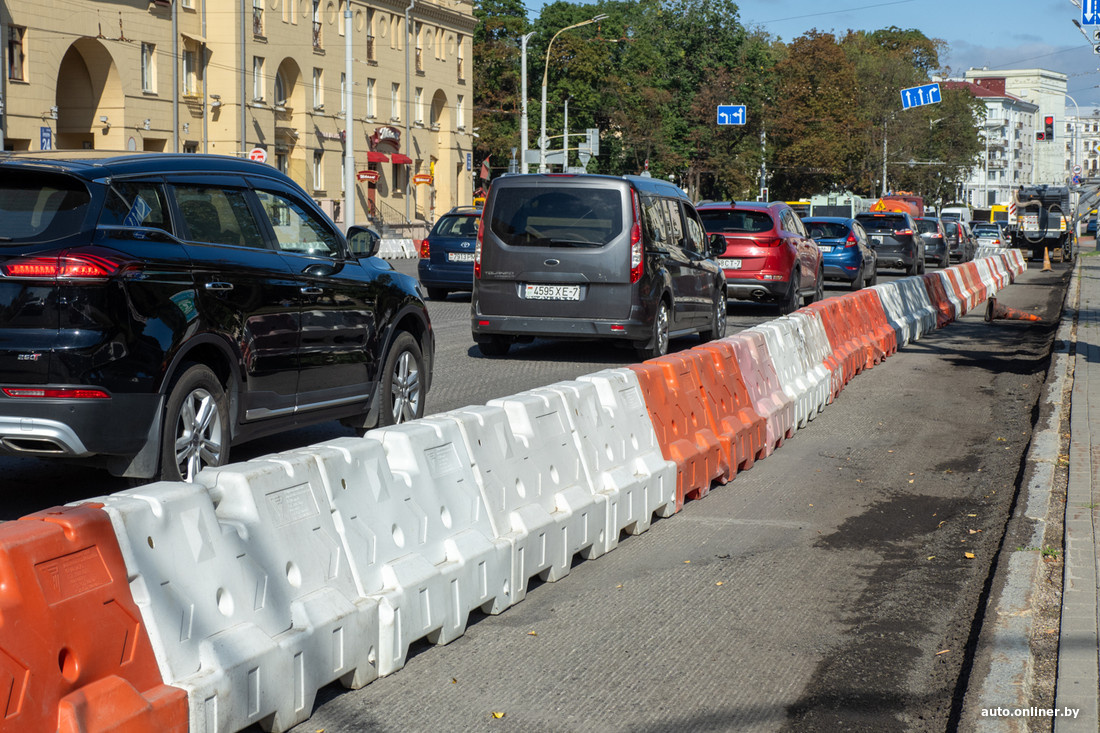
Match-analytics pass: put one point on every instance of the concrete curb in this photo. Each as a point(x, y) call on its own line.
point(1006, 630)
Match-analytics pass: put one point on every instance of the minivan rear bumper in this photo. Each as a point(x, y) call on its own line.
point(75, 428)
point(543, 326)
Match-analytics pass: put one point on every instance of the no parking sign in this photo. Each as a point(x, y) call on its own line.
point(258, 154)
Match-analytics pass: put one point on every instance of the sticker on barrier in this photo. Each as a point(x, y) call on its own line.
point(75, 653)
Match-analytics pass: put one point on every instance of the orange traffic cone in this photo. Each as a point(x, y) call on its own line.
point(1046, 261)
point(995, 311)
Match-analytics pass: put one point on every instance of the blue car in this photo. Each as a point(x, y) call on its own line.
point(845, 249)
point(447, 255)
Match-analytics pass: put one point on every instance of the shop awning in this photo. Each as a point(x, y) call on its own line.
point(399, 159)
point(373, 157)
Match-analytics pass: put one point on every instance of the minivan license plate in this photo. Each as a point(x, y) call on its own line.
point(552, 292)
point(729, 264)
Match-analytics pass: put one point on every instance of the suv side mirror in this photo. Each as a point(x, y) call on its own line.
point(716, 245)
point(363, 241)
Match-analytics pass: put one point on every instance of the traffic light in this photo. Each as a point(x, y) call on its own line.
point(1048, 127)
point(1040, 135)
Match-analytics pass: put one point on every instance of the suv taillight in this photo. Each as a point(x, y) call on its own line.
point(770, 242)
point(903, 232)
point(850, 241)
point(60, 267)
point(636, 259)
point(477, 248)
point(425, 249)
point(57, 394)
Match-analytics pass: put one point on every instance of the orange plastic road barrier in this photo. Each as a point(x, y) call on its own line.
point(767, 395)
point(76, 656)
point(945, 309)
point(864, 329)
point(736, 422)
point(961, 289)
point(974, 279)
point(870, 304)
point(847, 348)
point(676, 408)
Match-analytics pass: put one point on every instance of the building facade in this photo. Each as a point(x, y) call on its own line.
point(236, 78)
point(1082, 145)
point(1008, 160)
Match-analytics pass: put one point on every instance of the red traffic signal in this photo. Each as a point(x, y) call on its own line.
point(1040, 135)
point(1048, 127)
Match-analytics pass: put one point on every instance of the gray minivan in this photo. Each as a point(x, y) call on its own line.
point(592, 256)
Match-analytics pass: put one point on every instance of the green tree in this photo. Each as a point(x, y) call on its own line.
point(496, 77)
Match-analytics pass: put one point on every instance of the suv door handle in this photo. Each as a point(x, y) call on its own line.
point(312, 290)
point(219, 286)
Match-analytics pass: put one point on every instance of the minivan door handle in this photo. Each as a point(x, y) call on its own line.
point(312, 290)
point(219, 286)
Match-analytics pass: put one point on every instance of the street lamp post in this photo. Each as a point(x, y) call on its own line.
point(545, 72)
point(523, 106)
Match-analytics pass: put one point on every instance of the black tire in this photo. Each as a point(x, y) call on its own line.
point(920, 267)
point(658, 344)
point(495, 346)
point(402, 391)
point(437, 293)
point(873, 280)
point(911, 270)
point(857, 282)
point(819, 289)
point(196, 425)
point(793, 298)
point(717, 329)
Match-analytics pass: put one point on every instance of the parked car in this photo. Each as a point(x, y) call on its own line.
point(845, 250)
point(592, 256)
point(447, 256)
point(1090, 225)
point(158, 308)
point(990, 235)
point(960, 241)
point(895, 240)
point(935, 240)
point(769, 256)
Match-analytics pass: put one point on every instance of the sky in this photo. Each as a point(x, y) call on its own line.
point(999, 34)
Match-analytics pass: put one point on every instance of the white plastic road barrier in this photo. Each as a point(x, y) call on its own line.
point(958, 300)
point(619, 450)
point(914, 297)
point(784, 343)
point(1000, 270)
point(985, 271)
point(904, 322)
point(535, 490)
point(813, 370)
point(250, 612)
point(398, 249)
point(768, 398)
point(816, 341)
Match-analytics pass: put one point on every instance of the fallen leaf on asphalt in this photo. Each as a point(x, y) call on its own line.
point(532, 633)
point(971, 515)
point(859, 481)
point(912, 474)
point(911, 480)
point(620, 585)
point(949, 471)
point(719, 583)
point(931, 557)
point(454, 681)
point(945, 651)
point(973, 531)
point(686, 562)
point(968, 555)
point(1001, 439)
point(941, 524)
point(498, 716)
point(889, 451)
point(811, 504)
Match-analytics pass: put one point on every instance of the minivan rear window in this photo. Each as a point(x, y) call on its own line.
point(580, 216)
point(41, 208)
point(726, 221)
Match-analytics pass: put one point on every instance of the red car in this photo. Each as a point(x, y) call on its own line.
point(769, 256)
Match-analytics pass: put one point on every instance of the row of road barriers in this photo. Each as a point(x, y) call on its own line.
point(398, 249)
point(228, 602)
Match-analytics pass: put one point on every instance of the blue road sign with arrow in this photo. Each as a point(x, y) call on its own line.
point(731, 114)
point(918, 96)
point(1090, 12)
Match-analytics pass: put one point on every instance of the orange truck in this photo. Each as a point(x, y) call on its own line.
point(902, 201)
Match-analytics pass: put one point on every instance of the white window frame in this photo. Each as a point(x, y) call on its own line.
point(17, 53)
point(258, 79)
point(149, 67)
point(343, 91)
point(372, 111)
point(190, 58)
point(418, 106)
point(460, 112)
point(318, 170)
point(318, 88)
point(395, 101)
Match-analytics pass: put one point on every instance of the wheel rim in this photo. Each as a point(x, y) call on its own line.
point(405, 388)
point(720, 318)
point(198, 434)
point(662, 330)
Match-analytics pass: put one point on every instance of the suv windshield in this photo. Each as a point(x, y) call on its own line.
point(41, 208)
point(731, 220)
point(577, 216)
point(457, 225)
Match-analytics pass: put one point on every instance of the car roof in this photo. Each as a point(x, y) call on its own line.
point(644, 184)
point(94, 164)
point(828, 219)
point(751, 205)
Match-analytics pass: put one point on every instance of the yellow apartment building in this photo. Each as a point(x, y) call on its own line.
point(259, 78)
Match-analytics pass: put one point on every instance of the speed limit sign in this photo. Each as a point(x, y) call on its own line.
point(258, 154)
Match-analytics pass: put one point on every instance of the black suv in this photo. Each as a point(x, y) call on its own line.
point(895, 239)
point(155, 309)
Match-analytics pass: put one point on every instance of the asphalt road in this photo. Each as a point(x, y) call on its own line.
point(828, 588)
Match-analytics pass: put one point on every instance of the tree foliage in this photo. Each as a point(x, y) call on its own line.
point(650, 75)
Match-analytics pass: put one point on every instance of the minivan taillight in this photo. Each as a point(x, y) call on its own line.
point(60, 267)
point(425, 249)
point(850, 241)
point(477, 248)
point(636, 258)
